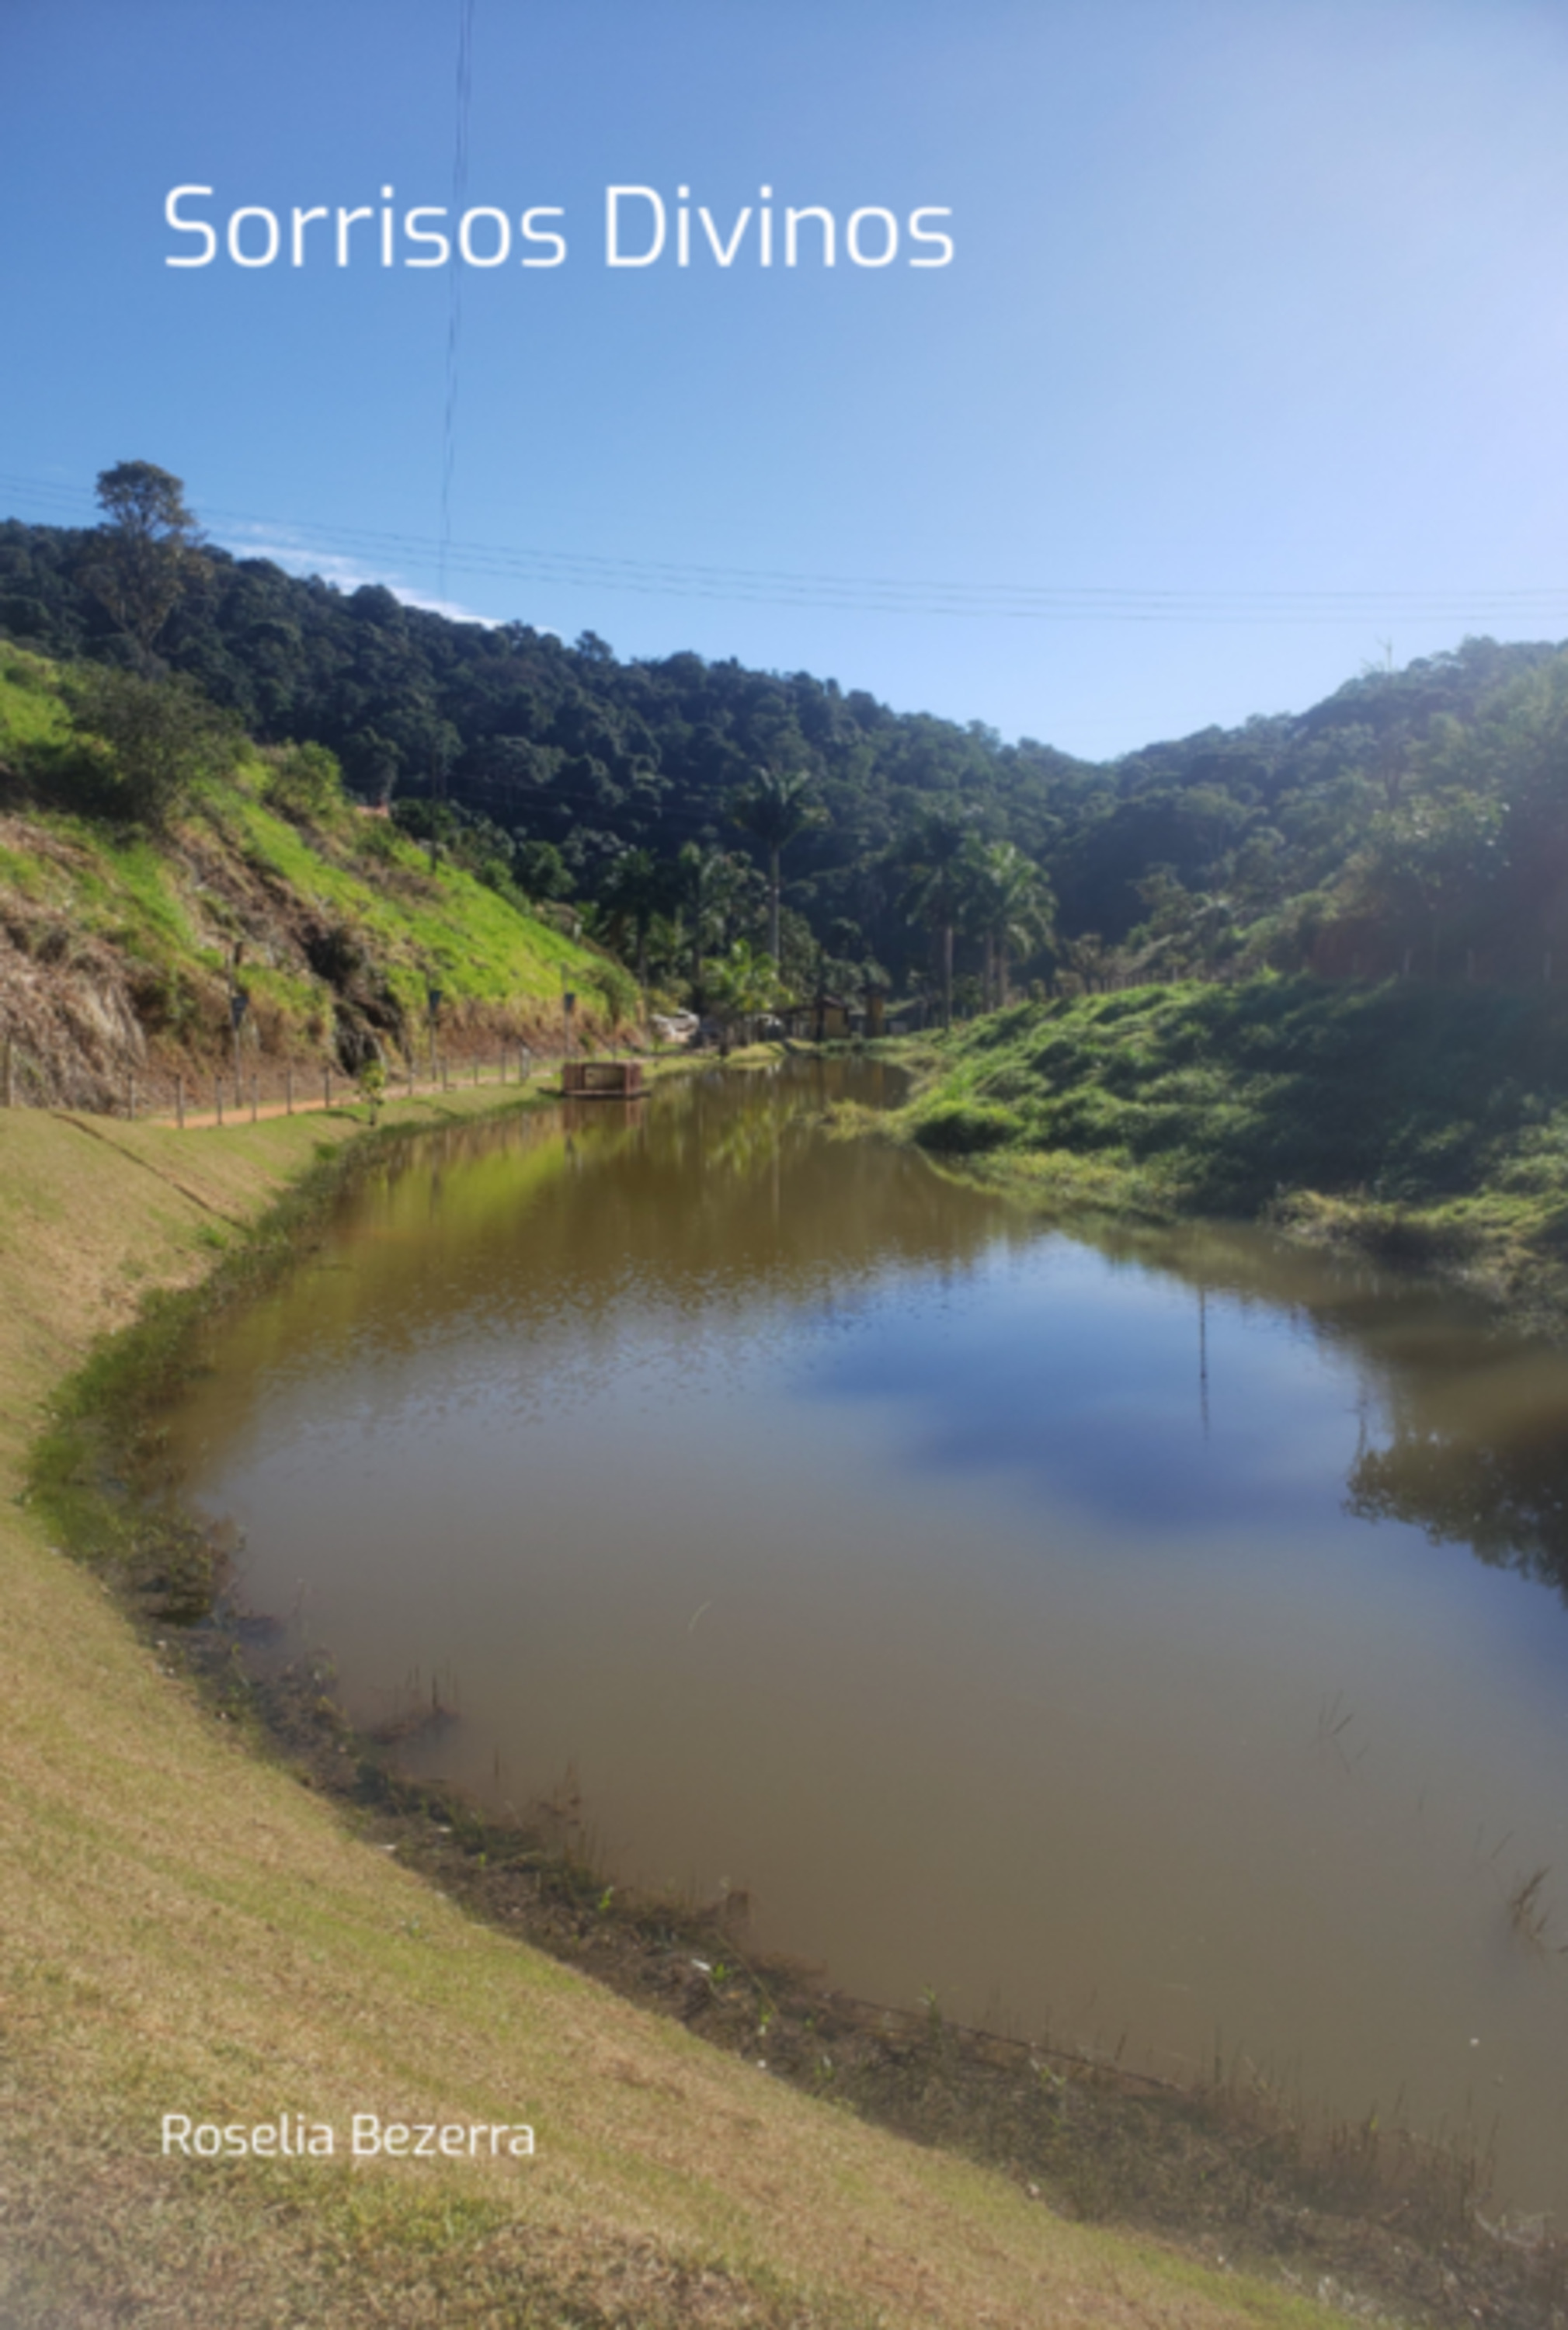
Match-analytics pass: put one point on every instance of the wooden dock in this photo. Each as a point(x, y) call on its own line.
point(601, 1079)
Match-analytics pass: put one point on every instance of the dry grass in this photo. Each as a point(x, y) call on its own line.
point(1529, 1914)
point(183, 1927)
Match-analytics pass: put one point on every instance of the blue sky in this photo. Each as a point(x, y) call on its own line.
point(1257, 328)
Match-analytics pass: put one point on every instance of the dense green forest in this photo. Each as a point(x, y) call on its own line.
point(1416, 821)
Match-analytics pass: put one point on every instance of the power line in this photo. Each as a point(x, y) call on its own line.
point(1058, 602)
point(917, 596)
point(992, 601)
point(1015, 601)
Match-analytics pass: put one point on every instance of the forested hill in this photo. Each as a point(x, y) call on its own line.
point(1415, 817)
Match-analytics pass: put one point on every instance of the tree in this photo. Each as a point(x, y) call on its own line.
point(305, 781)
point(934, 856)
point(615, 986)
point(706, 887)
point(775, 808)
point(541, 871)
point(1435, 854)
point(1184, 933)
point(742, 984)
point(1012, 906)
point(164, 737)
point(144, 554)
point(636, 888)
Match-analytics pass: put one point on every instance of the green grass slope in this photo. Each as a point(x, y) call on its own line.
point(116, 944)
point(1430, 1120)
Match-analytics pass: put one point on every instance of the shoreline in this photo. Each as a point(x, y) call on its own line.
point(972, 2091)
point(976, 1103)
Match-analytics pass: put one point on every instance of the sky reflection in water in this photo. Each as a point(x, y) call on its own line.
point(848, 1536)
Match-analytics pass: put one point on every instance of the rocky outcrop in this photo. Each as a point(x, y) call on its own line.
point(114, 982)
point(69, 1027)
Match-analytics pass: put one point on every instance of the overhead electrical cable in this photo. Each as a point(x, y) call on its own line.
point(283, 538)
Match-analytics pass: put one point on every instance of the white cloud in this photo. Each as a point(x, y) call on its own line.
point(349, 573)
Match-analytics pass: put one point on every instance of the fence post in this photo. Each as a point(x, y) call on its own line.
point(180, 1102)
point(326, 1087)
point(288, 1088)
point(255, 1094)
point(10, 1082)
point(218, 1095)
point(130, 1095)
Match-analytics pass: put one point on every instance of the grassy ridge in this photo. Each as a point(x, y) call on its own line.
point(1431, 1120)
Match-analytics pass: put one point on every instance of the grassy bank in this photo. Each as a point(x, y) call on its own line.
point(184, 1928)
point(1427, 1123)
point(118, 942)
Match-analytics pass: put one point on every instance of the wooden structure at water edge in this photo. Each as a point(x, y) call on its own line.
point(601, 1079)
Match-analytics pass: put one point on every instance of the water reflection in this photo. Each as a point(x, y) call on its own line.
point(1508, 1501)
point(971, 1592)
point(1476, 1452)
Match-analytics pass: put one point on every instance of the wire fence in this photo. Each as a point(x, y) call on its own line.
point(250, 1092)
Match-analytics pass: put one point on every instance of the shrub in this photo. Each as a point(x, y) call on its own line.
point(303, 780)
point(163, 736)
point(964, 1127)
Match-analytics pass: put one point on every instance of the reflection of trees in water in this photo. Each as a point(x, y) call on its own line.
point(1466, 1462)
point(1506, 1500)
point(727, 1179)
point(721, 1187)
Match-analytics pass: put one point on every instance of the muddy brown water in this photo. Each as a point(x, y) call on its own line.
point(1155, 1639)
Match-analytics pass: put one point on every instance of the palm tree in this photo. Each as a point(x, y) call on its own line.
point(775, 808)
point(633, 892)
point(1089, 960)
point(743, 983)
point(1014, 906)
point(706, 882)
point(934, 856)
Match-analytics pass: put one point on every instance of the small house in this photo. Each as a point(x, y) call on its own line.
point(822, 1020)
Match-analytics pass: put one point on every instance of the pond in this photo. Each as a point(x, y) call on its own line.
point(1152, 1639)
